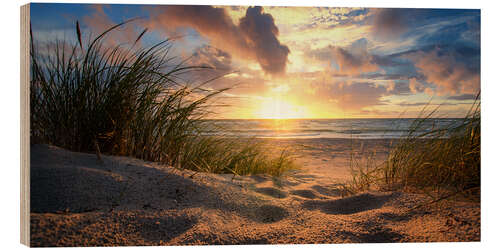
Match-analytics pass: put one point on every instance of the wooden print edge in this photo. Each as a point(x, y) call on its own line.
point(25, 125)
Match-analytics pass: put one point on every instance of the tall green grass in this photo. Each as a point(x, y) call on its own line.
point(133, 101)
point(443, 163)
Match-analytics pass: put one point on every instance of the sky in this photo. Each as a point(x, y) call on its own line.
point(302, 62)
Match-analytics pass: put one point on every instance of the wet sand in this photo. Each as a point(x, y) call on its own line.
point(78, 201)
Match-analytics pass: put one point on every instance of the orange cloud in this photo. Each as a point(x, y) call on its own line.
point(254, 38)
point(353, 64)
point(99, 22)
point(347, 95)
point(448, 74)
point(416, 86)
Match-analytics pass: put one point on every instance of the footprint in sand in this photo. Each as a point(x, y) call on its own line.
point(309, 194)
point(305, 176)
point(271, 213)
point(162, 228)
point(259, 178)
point(273, 192)
point(328, 191)
point(350, 205)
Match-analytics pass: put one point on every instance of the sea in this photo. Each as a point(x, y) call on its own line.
point(379, 128)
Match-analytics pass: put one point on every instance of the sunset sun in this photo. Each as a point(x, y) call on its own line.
point(278, 108)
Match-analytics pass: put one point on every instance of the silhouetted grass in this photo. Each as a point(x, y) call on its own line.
point(443, 163)
point(132, 101)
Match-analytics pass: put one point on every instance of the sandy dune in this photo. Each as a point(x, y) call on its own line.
point(78, 201)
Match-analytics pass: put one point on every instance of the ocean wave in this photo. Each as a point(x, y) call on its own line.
point(324, 128)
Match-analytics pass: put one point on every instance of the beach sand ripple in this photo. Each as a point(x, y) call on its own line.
point(78, 201)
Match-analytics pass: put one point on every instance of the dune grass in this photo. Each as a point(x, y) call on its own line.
point(132, 101)
point(443, 162)
point(239, 156)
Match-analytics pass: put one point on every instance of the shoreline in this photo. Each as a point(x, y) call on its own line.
point(329, 158)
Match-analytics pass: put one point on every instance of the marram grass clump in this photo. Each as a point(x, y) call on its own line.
point(239, 156)
point(443, 163)
point(132, 101)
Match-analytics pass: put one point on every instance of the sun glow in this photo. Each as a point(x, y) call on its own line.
point(276, 108)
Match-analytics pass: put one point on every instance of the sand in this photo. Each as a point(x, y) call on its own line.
point(77, 200)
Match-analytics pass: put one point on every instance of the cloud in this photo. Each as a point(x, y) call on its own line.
point(411, 104)
point(348, 61)
point(351, 63)
point(330, 18)
point(219, 63)
point(261, 34)
point(417, 86)
point(389, 23)
point(212, 57)
point(423, 104)
point(359, 95)
point(398, 87)
point(382, 76)
point(253, 38)
point(449, 75)
point(463, 97)
point(225, 73)
point(350, 96)
point(99, 22)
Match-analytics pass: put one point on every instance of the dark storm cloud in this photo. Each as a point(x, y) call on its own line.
point(255, 37)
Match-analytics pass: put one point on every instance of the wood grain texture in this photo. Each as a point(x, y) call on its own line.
point(25, 125)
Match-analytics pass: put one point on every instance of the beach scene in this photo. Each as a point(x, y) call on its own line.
point(161, 125)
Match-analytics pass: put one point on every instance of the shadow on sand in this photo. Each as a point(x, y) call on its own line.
point(138, 200)
point(349, 205)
